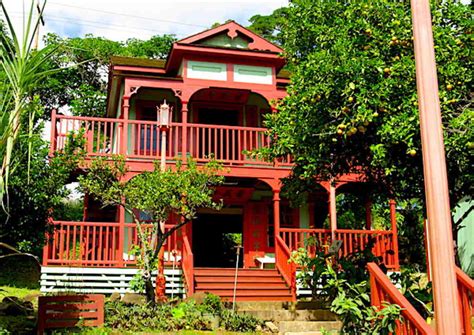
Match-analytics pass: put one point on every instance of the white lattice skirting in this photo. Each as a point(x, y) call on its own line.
point(101, 280)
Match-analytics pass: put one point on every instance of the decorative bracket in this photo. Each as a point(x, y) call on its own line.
point(177, 92)
point(133, 90)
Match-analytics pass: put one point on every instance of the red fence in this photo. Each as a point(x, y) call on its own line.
point(382, 290)
point(100, 244)
point(137, 139)
point(352, 240)
point(70, 311)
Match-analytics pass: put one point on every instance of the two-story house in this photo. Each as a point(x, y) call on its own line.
point(220, 84)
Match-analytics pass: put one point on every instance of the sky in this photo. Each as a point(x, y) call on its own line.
point(120, 19)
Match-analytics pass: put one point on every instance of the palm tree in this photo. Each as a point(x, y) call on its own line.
point(20, 71)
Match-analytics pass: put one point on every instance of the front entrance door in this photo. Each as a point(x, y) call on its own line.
point(214, 239)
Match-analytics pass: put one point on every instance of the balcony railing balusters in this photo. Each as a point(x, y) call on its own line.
point(137, 139)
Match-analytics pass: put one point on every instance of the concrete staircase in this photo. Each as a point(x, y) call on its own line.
point(252, 284)
point(293, 319)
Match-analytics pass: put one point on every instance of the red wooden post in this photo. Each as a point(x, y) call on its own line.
point(276, 212)
point(332, 210)
point(124, 124)
point(440, 235)
point(393, 221)
point(184, 135)
point(121, 237)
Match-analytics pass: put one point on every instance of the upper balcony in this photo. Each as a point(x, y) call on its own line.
point(141, 141)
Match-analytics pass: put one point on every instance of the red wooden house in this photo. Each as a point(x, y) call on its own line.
point(220, 83)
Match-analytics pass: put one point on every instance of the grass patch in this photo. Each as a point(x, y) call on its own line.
point(19, 324)
point(17, 291)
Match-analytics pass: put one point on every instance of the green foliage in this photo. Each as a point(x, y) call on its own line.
point(21, 70)
point(69, 210)
point(270, 26)
point(239, 322)
point(176, 316)
point(343, 282)
point(34, 191)
point(352, 102)
point(212, 304)
point(82, 84)
point(314, 268)
point(415, 286)
point(353, 306)
point(137, 284)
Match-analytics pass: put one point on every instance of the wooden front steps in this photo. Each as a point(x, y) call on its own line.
point(252, 284)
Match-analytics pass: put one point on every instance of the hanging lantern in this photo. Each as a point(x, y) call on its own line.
point(163, 115)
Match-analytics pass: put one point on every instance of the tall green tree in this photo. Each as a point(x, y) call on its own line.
point(21, 70)
point(352, 102)
point(82, 85)
point(33, 194)
point(270, 26)
point(159, 195)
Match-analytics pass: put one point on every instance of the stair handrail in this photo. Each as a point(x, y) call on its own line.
point(466, 299)
point(383, 290)
point(188, 265)
point(286, 268)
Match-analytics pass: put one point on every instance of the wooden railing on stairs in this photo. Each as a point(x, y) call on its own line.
point(188, 265)
point(283, 264)
point(466, 300)
point(382, 290)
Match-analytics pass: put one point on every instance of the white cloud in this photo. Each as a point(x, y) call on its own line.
point(120, 19)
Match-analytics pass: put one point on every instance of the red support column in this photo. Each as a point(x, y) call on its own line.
point(184, 138)
point(332, 210)
point(440, 234)
point(121, 236)
point(124, 137)
point(276, 212)
point(393, 221)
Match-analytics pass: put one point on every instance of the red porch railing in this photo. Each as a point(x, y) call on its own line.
point(287, 269)
point(352, 240)
point(97, 244)
point(102, 135)
point(466, 300)
point(137, 139)
point(382, 290)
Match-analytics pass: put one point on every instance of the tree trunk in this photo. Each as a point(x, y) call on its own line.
point(149, 290)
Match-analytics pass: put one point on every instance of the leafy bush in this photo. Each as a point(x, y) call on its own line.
point(415, 286)
point(174, 316)
point(352, 267)
point(352, 304)
point(238, 322)
point(212, 304)
point(343, 282)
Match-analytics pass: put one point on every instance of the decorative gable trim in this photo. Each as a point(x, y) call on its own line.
point(233, 30)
